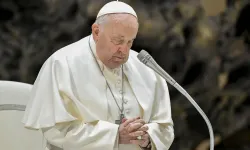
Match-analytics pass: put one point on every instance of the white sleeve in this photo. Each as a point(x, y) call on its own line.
point(161, 129)
point(162, 136)
point(80, 136)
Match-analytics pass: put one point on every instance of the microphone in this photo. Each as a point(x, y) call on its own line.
point(148, 60)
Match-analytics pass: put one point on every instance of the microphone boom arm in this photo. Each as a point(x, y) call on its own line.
point(146, 59)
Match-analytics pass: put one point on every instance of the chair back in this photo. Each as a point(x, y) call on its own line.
point(13, 135)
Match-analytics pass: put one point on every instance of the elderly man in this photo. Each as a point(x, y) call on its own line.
point(95, 94)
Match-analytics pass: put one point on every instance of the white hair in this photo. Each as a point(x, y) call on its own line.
point(102, 19)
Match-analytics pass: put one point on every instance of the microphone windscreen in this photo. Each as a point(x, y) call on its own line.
point(142, 56)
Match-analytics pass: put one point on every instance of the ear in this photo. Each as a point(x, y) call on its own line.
point(95, 31)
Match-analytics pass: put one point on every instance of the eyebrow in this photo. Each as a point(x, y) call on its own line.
point(120, 37)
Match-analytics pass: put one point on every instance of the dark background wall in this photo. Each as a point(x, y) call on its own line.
point(205, 48)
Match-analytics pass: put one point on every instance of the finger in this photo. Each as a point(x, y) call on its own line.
point(145, 136)
point(145, 143)
point(137, 133)
point(134, 126)
point(143, 128)
point(142, 143)
point(140, 121)
point(137, 142)
point(136, 120)
point(128, 121)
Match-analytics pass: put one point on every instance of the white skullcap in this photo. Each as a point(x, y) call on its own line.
point(116, 7)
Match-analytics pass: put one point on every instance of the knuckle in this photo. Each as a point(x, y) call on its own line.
point(146, 136)
point(140, 133)
point(141, 120)
point(137, 133)
point(138, 125)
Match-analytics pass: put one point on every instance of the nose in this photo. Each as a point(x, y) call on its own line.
point(123, 48)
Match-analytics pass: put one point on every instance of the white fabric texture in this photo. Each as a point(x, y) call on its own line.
point(69, 101)
point(132, 108)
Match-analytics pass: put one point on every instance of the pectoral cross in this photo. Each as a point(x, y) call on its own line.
point(120, 120)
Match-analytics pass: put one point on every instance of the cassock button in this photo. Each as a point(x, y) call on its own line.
point(126, 101)
point(119, 81)
point(118, 86)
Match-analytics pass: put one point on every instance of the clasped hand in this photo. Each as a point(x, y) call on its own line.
point(130, 129)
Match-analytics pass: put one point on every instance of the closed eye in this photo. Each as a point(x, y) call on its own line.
point(117, 42)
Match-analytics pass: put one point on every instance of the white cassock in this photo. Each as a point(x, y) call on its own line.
point(73, 106)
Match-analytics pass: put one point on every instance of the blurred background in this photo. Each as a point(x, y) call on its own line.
point(203, 44)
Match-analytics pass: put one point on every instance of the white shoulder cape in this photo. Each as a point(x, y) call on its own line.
point(71, 87)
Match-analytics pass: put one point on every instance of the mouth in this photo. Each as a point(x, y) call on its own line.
point(119, 58)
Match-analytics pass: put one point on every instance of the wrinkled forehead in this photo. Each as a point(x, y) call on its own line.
point(121, 26)
point(123, 33)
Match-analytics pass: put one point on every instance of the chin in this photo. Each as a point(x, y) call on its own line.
point(116, 65)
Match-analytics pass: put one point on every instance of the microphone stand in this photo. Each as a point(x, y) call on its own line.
point(150, 62)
